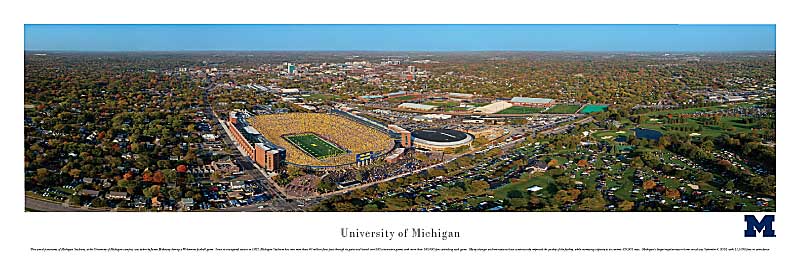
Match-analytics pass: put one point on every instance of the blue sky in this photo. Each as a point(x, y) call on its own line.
point(401, 37)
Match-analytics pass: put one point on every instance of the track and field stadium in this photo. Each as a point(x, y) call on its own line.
point(440, 139)
point(320, 139)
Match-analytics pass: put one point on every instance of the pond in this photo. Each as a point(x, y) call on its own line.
point(647, 134)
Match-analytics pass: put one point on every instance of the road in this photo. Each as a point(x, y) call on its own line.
point(51, 206)
point(279, 201)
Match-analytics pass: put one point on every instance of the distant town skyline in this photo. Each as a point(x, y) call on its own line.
point(596, 38)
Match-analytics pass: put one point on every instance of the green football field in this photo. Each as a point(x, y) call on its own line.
point(563, 109)
point(314, 145)
point(520, 110)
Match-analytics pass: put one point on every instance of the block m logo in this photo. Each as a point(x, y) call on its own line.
point(764, 226)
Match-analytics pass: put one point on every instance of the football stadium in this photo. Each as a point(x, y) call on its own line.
point(320, 140)
point(440, 139)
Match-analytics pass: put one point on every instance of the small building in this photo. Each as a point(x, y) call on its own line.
point(237, 184)
point(538, 166)
point(90, 193)
point(395, 155)
point(732, 98)
point(224, 167)
point(113, 195)
point(187, 202)
point(210, 137)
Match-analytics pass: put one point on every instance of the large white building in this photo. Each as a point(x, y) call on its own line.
point(532, 102)
point(417, 106)
point(493, 107)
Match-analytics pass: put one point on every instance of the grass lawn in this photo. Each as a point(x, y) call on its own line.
point(702, 109)
point(403, 98)
point(455, 109)
point(612, 134)
point(525, 182)
point(445, 104)
point(314, 145)
point(706, 130)
point(520, 110)
point(563, 109)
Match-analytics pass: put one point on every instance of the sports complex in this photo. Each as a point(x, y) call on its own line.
point(320, 140)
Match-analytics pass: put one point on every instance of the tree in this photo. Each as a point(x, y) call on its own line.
point(41, 174)
point(147, 176)
point(344, 206)
point(478, 187)
point(729, 185)
point(435, 172)
point(592, 204)
point(215, 177)
point(626, 206)
point(567, 196)
point(673, 194)
point(515, 194)
point(649, 184)
point(75, 173)
point(75, 200)
point(174, 193)
point(371, 208)
point(637, 163)
point(534, 201)
point(158, 177)
point(98, 202)
point(564, 181)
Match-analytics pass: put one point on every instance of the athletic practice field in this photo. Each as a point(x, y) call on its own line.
point(563, 109)
point(520, 110)
point(593, 108)
point(314, 145)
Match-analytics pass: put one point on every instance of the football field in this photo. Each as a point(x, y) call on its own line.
point(314, 145)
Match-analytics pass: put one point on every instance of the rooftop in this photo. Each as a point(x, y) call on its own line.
point(417, 106)
point(530, 100)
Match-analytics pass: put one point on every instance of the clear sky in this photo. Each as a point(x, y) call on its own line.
point(401, 37)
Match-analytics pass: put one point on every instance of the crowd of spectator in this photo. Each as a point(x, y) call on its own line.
point(354, 137)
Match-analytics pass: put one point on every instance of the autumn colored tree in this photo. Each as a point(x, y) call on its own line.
point(158, 177)
point(649, 184)
point(673, 194)
point(626, 206)
point(147, 176)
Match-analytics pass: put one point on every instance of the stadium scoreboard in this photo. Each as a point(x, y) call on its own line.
point(361, 157)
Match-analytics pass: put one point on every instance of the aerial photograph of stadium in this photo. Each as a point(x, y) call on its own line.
point(415, 118)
